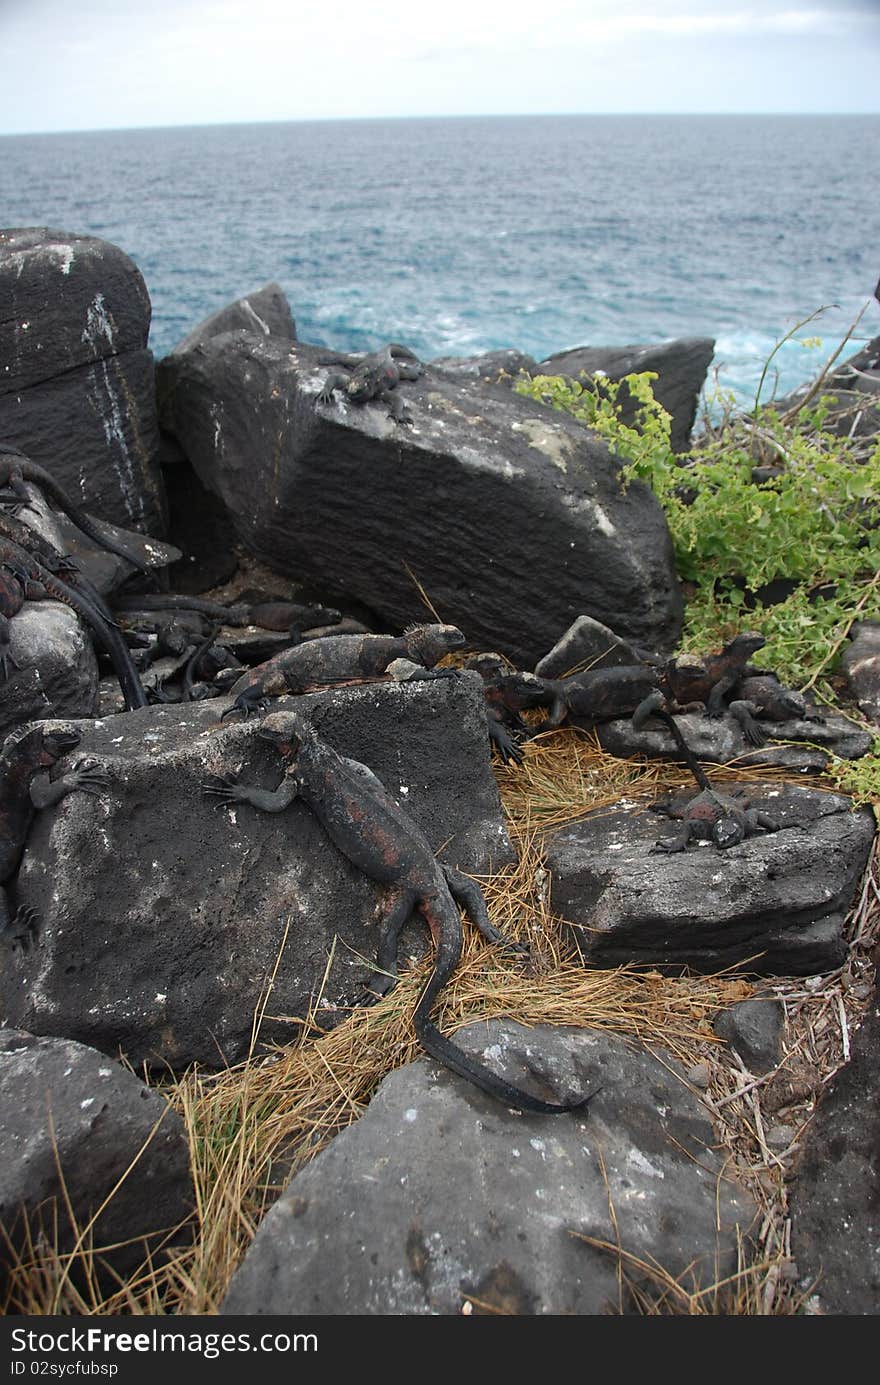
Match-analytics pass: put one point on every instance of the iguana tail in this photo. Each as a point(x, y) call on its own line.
point(447, 1053)
point(655, 706)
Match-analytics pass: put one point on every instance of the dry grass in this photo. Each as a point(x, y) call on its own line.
point(254, 1124)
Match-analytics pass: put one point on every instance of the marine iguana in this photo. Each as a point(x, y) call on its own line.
point(202, 660)
point(773, 701)
point(765, 697)
point(11, 602)
point(16, 469)
point(709, 679)
point(39, 584)
point(25, 786)
point(371, 829)
point(710, 816)
point(374, 376)
point(335, 659)
point(61, 564)
point(507, 692)
point(598, 694)
point(603, 694)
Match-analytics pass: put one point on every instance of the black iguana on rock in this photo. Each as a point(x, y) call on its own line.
point(339, 659)
point(374, 376)
point(371, 829)
point(25, 787)
point(709, 816)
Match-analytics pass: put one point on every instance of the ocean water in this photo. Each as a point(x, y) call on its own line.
point(457, 236)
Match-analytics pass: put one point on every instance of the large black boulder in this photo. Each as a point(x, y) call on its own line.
point(511, 517)
point(266, 312)
point(77, 383)
point(163, 915)
point(852, 393)
point(680, 367)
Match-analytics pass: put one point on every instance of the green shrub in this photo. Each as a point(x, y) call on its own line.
point(812, 520)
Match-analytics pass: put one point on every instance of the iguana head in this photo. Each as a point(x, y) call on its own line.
point(746, 643)
point(427, 644)
point(488, 665)
point(40, 746)
point(360, 390)
point(57, 743)
point(287, 731)
point(728, 830)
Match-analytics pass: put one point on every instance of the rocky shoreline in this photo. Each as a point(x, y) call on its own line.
point(313, 524)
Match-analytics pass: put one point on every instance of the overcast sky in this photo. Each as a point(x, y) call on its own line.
point(99, 64)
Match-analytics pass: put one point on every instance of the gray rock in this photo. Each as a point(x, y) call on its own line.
point(162, 915)
point(834, 1199)
point(50, 638)
point(439, 1196)
point(95, 430)
point(64, 1105)
point(68, 301)
point(77, 390)
point(861, 664)
point(776, 901)
point(343, 495)
point(489, 368)
point(753, 1028)
point(721, 741)
point(681, 372)
point(266, 312)
point(587, 643)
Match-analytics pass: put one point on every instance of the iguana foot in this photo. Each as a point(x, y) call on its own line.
point(743, 714)
point(14, 504)
point(513, 948)
point(248, 704)
point(666, 844)
point(422, 675)
point(21, 931)
point(158, 696)
point(225, 787)
point(378, 986)
point(89, 777)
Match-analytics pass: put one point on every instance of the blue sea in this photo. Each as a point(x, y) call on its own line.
point(463, 235)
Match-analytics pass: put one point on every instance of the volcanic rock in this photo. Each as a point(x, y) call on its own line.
point(439, 1197)
point(77, 385)
point(776, 903)
point(681, 372)
point(75, 1126)
point(162, 916)
point(834, 1197)
point(511, 517)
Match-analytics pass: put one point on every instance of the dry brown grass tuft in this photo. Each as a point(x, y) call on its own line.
point(566, 774)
